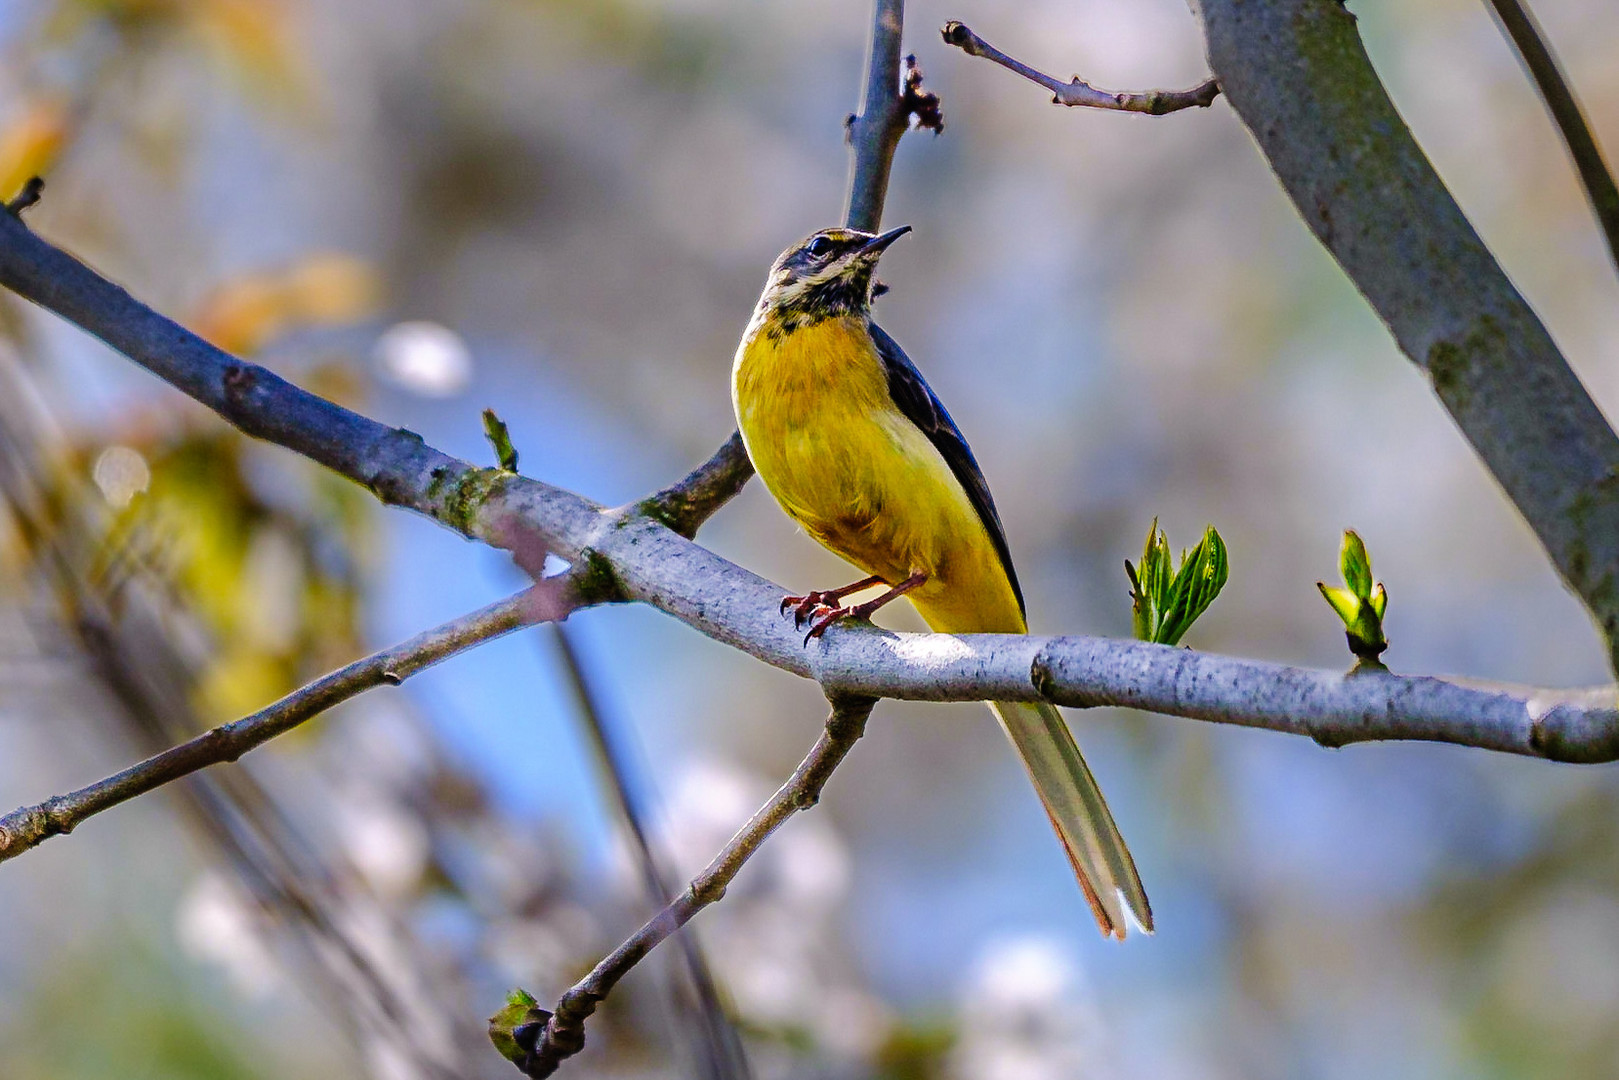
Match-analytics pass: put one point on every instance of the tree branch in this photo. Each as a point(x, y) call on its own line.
point(1078, 92)
point(1539, 60)
point(1298, 76)
point(549, 1038)
point(625, 555)
point(29, 826)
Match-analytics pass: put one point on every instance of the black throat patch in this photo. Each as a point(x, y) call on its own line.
point(846, 294)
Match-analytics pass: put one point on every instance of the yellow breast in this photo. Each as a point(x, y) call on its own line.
point(841, 459)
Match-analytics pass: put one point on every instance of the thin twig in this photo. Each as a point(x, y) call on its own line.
point(1537, 56)
point(875, 130)
point(874, 134)
point(1078, 92)
point(719, 1044)
point(550, 1038)
point(29, 826)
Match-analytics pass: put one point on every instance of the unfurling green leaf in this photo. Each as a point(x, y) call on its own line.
point(519, 1013)
point(1355, 565)
point(494, 429)
point(1344, 602)
point(1360, 604)
point(1164, 605)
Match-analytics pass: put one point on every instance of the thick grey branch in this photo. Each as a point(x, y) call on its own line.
point(1541, 63)
point(730, 604)
point(29, 826)
point(392, 463)
point(1298, 76)
point(1078, 92)
point(552, 1037)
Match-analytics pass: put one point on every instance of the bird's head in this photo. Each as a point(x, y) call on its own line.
point(826, 274)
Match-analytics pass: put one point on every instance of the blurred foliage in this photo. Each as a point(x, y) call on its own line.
point(252, 38)
point(276, 588)
point(30, 143)
point(249, 312)
point(121, 1008)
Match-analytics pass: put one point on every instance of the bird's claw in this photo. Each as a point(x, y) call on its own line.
point(824, 617)
point(804, 607)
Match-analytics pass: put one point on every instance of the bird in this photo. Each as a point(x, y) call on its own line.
point(859, 451)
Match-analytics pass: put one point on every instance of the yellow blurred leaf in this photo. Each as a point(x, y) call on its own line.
point(31, 143)
point(326, 289)
point(253, 34)
point(238, 681)
point(243, 315)
point(331, 288)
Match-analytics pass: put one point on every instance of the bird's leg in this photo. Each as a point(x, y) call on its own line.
point(804, 606)
point(863, 611)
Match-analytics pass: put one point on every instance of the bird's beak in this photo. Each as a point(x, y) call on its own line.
point(877, 244)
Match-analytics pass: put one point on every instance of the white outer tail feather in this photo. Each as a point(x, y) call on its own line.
point(1074, 803)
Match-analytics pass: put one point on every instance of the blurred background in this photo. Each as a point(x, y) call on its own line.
point(564, 210)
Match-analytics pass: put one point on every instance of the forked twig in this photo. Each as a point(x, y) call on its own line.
point(716, 1038)
point(549, 1038)
point(1078, 92)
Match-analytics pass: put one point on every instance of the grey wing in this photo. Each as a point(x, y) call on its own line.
point(923, 408)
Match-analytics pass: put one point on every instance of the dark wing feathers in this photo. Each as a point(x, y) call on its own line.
point(923, 408)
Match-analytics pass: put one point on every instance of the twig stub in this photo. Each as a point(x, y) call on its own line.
point(28, 196)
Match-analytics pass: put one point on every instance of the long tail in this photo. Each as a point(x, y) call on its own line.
point(1080, 815)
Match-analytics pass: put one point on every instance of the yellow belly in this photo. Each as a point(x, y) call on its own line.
point(846, 464)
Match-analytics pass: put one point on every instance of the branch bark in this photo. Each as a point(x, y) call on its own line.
point(1298, 76)
point(1078, 92)
point(29, 826)
point(550, 1038)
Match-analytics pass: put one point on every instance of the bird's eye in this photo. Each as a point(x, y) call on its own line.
point(820, 246)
